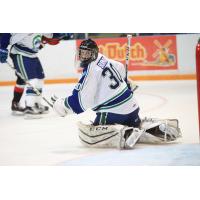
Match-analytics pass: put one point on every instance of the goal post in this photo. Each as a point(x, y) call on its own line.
point(198, 78)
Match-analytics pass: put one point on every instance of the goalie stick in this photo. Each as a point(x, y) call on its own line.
point(28, 83)
point(129, 37)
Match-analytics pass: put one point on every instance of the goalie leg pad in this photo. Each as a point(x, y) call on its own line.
point(110, 136)
point(160, 130)
point(133, 136)
point(100, 136)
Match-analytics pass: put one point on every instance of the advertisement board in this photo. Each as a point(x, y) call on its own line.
point(146, 53)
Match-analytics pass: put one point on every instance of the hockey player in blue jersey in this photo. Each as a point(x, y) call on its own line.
point(23, 52)
point(103, 89)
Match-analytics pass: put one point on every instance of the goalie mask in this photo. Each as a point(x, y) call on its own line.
point(88, 52)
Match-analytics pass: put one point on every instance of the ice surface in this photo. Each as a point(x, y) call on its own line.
point(54, 141)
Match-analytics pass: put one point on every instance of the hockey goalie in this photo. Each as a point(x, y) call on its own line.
point(104, 89)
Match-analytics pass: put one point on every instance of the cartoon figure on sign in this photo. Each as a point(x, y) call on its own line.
point(162, 55)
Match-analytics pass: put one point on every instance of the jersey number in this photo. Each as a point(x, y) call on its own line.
point(113, 75)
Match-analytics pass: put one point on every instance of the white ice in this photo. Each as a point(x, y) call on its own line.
point(54, 141)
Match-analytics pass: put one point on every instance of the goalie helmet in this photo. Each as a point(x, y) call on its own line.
point(88, 52)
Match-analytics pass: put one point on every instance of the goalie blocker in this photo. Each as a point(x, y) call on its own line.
point(151, 131)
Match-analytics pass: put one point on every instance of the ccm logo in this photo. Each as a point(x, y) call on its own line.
point(102, 128)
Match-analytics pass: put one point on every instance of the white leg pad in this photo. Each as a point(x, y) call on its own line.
point(159, 130)
point(109, 136)
point(101, 136)
point(133, 138)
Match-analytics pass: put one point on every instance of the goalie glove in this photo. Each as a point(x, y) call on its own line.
point(60, 107)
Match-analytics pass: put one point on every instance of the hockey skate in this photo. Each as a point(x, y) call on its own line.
point(17, 109)
point(32, 113)
point(43, 109)
point(35, 112)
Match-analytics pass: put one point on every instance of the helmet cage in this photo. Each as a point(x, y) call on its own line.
point(88, 52)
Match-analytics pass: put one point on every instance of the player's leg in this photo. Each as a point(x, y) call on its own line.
point(17, 95)
point(106, 118)
point(18, 90)
point(40, 75)
point(31, 98)
point(134, 119)
point(28, 67)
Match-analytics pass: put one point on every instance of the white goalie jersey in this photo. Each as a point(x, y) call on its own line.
point(102, 88)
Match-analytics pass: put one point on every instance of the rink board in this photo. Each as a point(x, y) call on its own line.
point(59, 61)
